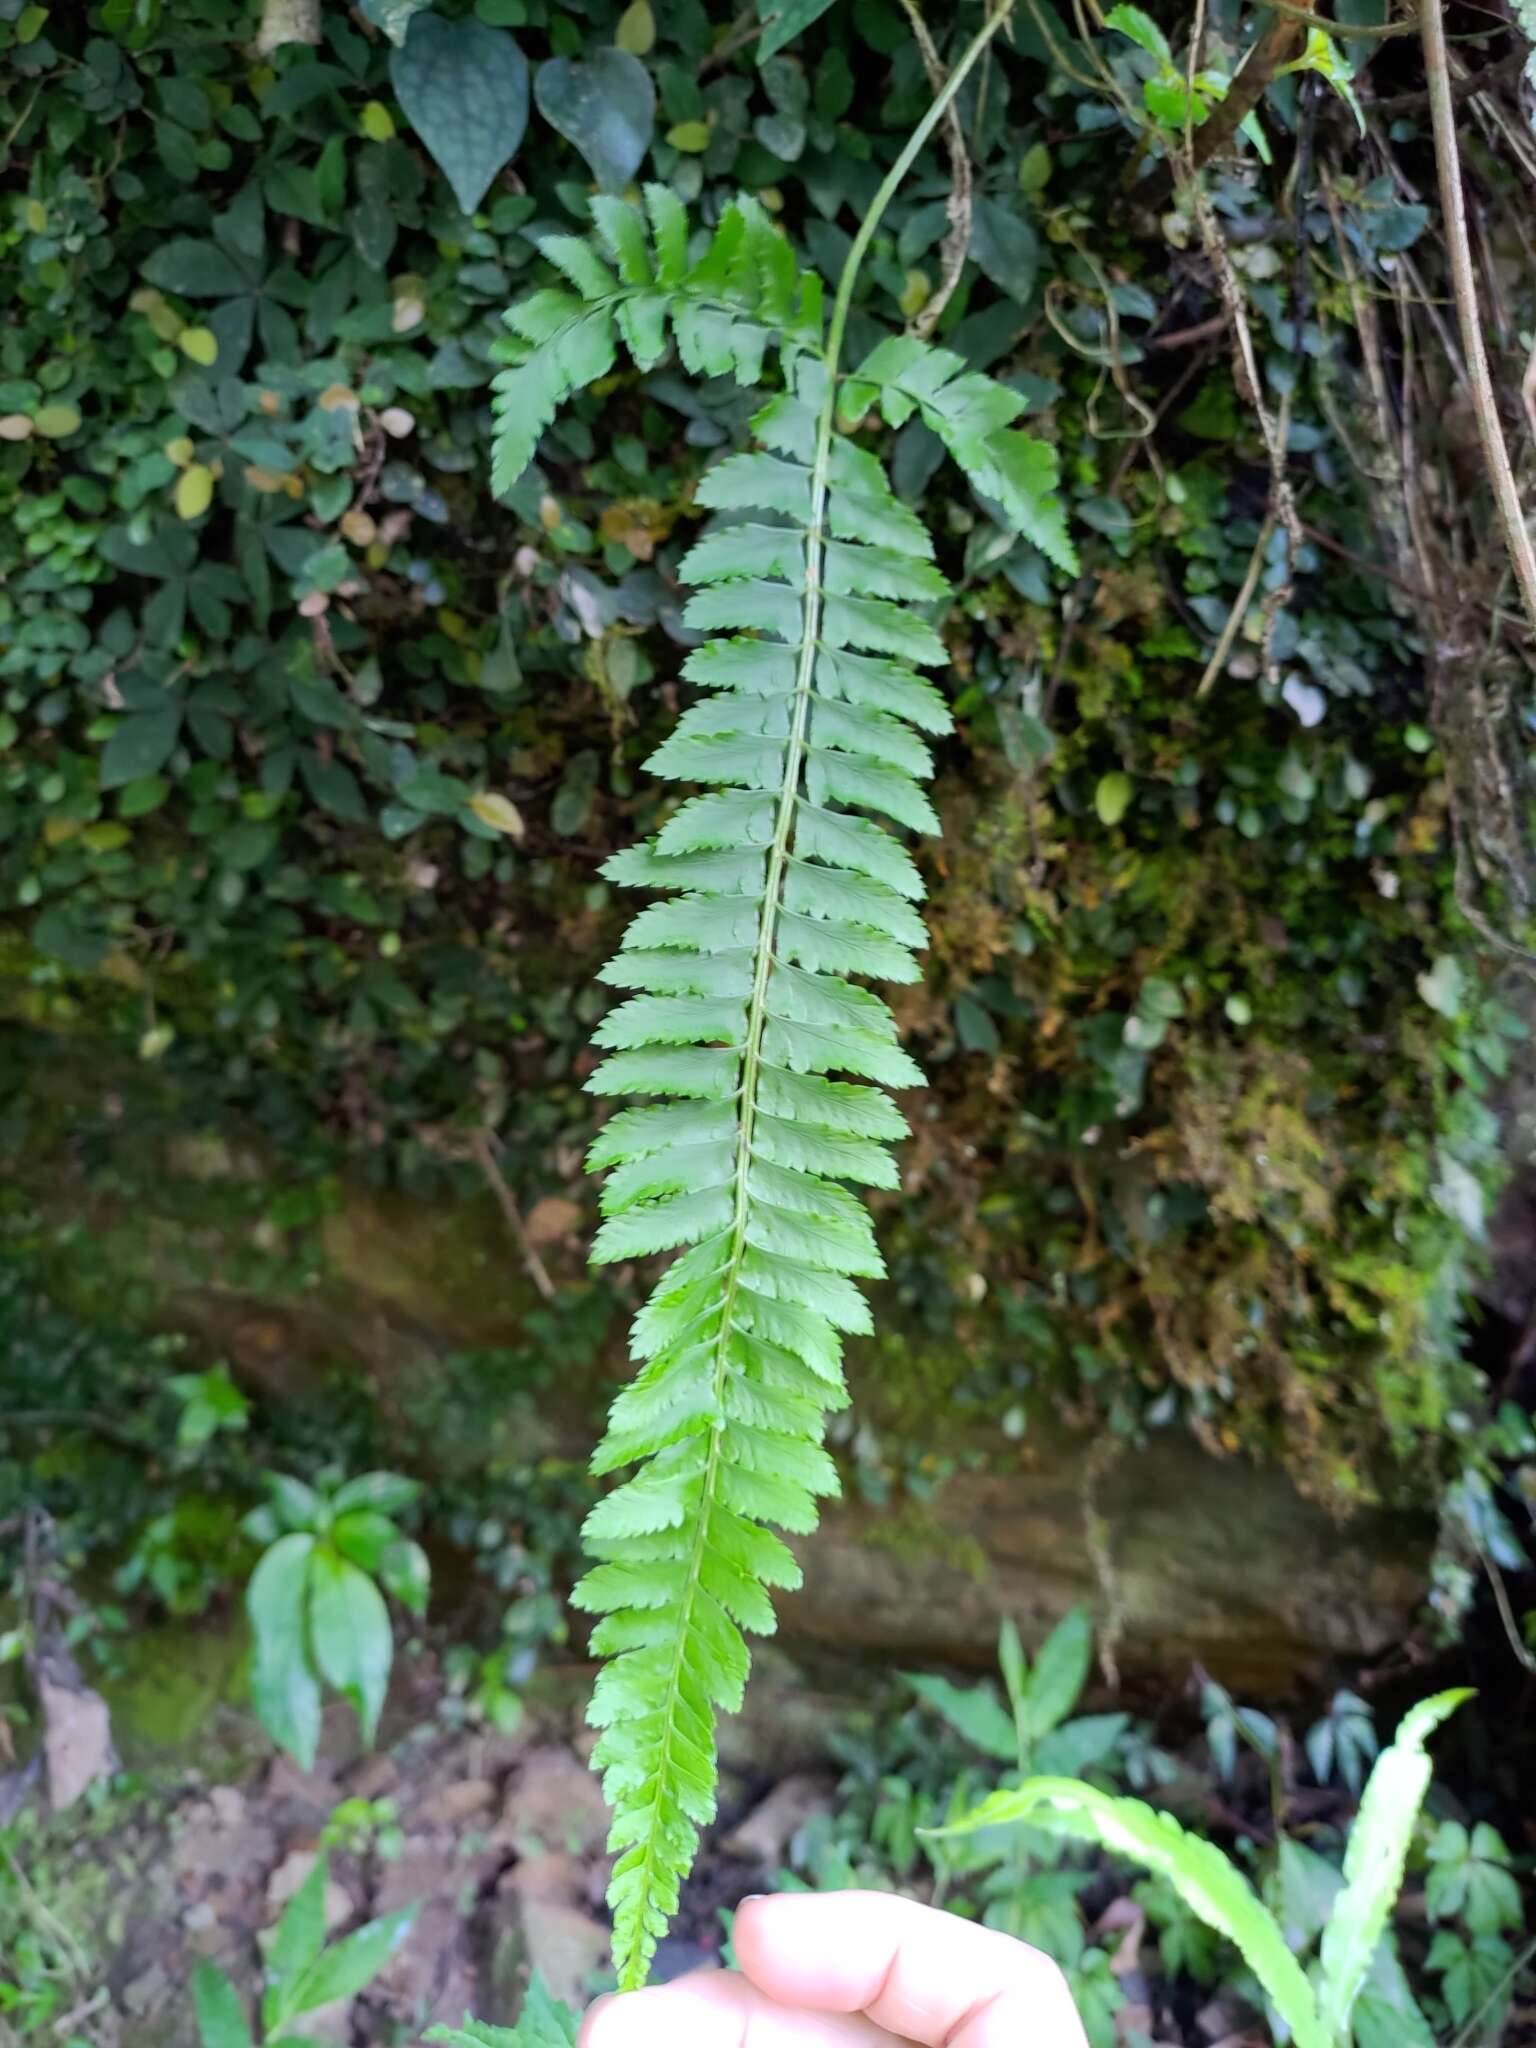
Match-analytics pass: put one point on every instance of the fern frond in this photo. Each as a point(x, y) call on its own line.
point(764, 1061)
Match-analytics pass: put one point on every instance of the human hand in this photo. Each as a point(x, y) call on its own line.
point(851, 1970)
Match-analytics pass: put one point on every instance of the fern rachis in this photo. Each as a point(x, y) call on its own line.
point(740, 998)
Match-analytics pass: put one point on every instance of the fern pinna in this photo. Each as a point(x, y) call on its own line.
point(786, 888)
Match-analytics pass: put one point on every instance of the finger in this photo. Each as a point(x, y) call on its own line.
point(914, 1971)
point(718, 2009)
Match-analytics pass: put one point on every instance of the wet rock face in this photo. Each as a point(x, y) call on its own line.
point(1184, 1557)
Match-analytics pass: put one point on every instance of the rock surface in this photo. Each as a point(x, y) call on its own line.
point(1202, 1559)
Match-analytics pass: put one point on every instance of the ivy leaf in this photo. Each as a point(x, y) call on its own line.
point(785, 20)
point(140, 745)
point(464, 89)
point(393, 16)
point(605, 105)
point(1005, 248)
point(68, 937)
point(197, 270)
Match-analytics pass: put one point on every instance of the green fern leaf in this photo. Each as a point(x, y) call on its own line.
point(782, 887)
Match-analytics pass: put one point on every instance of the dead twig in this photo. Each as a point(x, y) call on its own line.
point(495, 1179)
point(1501, 476)
point(956, 244)
point(1239, 611)
point(1279, 43)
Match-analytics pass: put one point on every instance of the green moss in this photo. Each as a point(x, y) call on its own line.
point(169, 1685)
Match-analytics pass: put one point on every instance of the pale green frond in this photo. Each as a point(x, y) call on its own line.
point(728, 972)
point(757, 483)
point(622, 229)
point(660, 1127)
point(1374, 1859)
point(711, 1165)
point(672, 1020)
point(776, 899)
point(580, 262)
point(1204, 1878)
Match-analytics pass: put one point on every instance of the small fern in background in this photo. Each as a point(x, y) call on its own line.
point(784, 889)
point(1318, 2007)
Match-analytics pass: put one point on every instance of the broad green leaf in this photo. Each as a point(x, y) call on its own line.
point(363, 1535)
point(296, 1942)
point(221, 2021)
point(350, 1634)
point(297, 1505)
point(1210, 1885)
point(464, 89)
point(393, 16)
point(56, 422)
point(406, 1575)
point(972, 1711)
point(1059, 1673)
point(1113, 796)
point(140, 744)
point(784, 20)
point(1375, 1855)
point(284, 1687)
point(389, 1492)
point(197, 270)
point(1142, 29)
point(605, 106)
point(346, 1967)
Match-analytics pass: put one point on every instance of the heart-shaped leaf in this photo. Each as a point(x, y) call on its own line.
point(464, 89)
point(606, 105)
point(393, 16)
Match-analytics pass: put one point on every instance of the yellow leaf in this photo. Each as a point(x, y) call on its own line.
point(15, 426)
point(56, 830)
point(499, 812)
point(691, 137)
point(336, 397)
point(358, 526)
point(180, 451)
point(55, 421)
point(267, 481)
point(29, 24)
point(194, 491)
point(637, 28)
point(376, 122)
point(36, 217)
point(916, 293)
point(106, 837)
point(201, 344)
